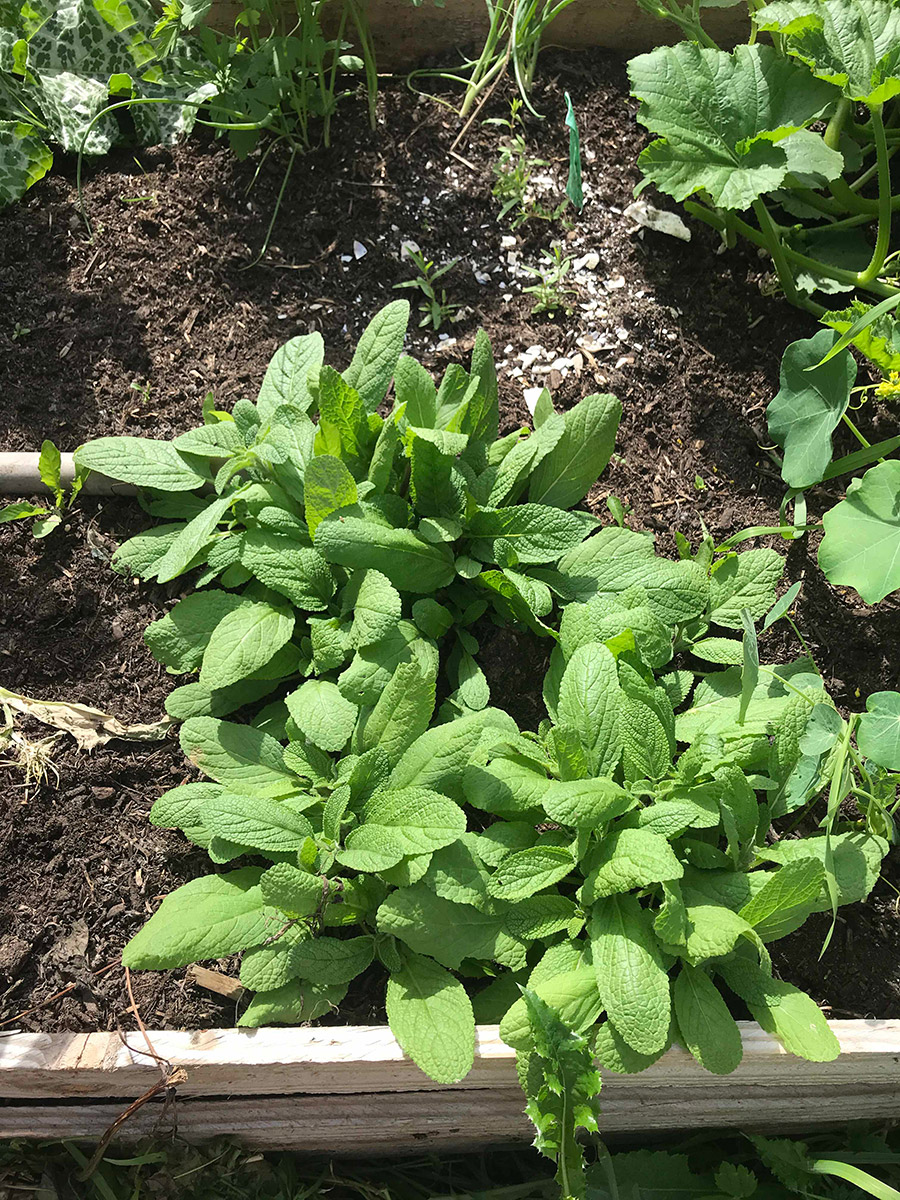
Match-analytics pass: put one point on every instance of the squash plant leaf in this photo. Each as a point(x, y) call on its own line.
point(809, 406)
point(722, 118)
point(878, 736)
point(874, 333)
point(861, 546)
point(854, 44)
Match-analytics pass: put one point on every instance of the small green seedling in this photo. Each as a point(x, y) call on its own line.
point(19, 332)
point(46, 519)
point(435, 306)
point(513, 171)
point(142, 389)
point(551, 292)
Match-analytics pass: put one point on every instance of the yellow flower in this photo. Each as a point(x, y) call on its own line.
point(889, 388)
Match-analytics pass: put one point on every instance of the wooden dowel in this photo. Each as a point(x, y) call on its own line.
point(20, 476)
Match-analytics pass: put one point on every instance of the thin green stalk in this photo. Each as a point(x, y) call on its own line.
point(802, 640)
point(776, 249)
point(367, 49)
point(332, 86)
point(275, 211)
point(836, 792)
point(871, 171)
point(486, 65)
point(883, 238)
point(859, 437)
point(803, 260)
point(825, 204)
point(861, 1179)
point(763, 531)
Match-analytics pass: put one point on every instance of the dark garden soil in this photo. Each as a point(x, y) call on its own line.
point(163, 298)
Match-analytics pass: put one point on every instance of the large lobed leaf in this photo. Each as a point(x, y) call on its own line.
point(723, 117)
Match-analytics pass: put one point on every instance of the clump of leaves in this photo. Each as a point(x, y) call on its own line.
point(435, 308)
point(618, 862)
point(861, 546)
point(736, 141)
point(60, 68)
point(45, 520)
point(346, 546)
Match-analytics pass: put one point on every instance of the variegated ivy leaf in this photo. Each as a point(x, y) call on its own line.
point(75, 48)
point(24, 159)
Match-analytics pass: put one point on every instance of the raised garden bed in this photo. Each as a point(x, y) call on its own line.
point(161, 299)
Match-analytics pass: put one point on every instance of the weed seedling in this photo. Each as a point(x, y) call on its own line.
point(436, 309)
point(513, 172)
point(551, 292)
point(47, 519)
point(19, 332)
point(142, 389)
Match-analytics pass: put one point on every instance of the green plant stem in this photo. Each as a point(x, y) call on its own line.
point(709, 217)
point(859, 437)
point(775, 247)
point(871, 171)
point(487, 65)
point(367, 49)
point(883, 163)
point(275, 211)
point(763, 531)
point(832, 135)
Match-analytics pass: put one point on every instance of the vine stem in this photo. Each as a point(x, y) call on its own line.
point(883, 162)
point(859, 437)
point(709, 217)
point(776, 249)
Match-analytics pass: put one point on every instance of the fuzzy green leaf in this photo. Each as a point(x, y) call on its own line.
point(576, 462)
point(431, 1017)
point(375, 358)
point(322, 714)
point(708, 1028)
point(206, 918)
point(144, 462)
point(631, 978)
point(243, 641)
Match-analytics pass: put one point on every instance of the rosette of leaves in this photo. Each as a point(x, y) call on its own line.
point(618, 862)
point(331, 541)
point(61, 65)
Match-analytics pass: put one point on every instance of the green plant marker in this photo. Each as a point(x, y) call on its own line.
point(573, 186)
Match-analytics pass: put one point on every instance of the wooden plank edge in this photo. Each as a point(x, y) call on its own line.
point(360, 1059)
point(392, 1122)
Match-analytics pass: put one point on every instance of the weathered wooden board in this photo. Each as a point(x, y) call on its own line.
point(405, 33)
point(358, 1059)
point(392, 1122)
